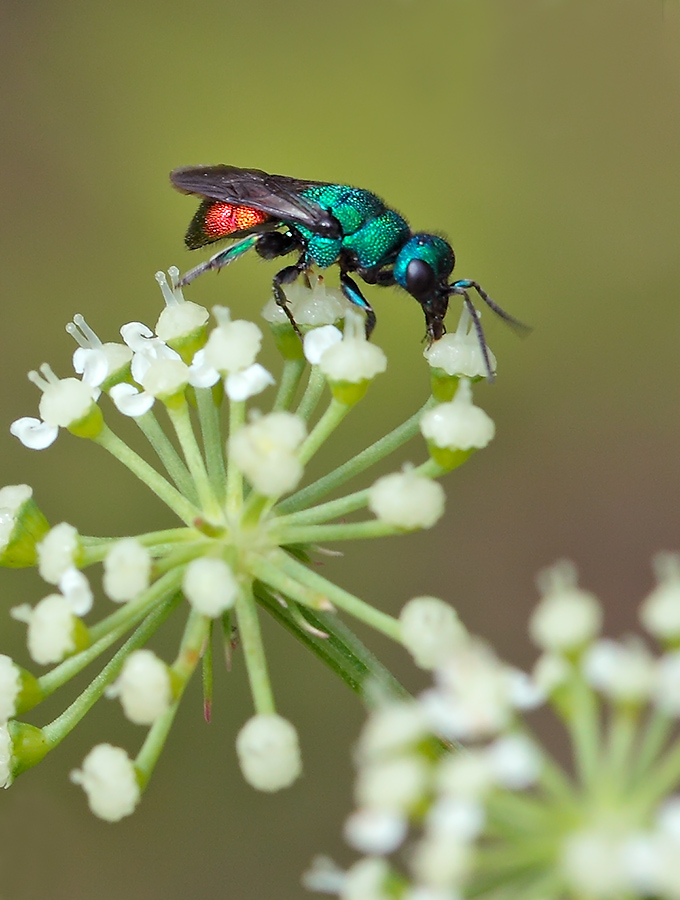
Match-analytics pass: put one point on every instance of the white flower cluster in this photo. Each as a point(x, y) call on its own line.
point(456, 786)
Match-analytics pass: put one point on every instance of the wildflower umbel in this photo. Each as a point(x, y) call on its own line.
point(457, 779)
point(248, 522)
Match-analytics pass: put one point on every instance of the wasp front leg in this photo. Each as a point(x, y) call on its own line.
point(351, 290)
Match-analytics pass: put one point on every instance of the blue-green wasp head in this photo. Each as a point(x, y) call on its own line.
point(422, 268)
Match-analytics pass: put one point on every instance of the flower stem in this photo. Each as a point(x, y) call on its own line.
point(290, 379)
point(253, 651)
point(176, 469)
point(237, 416)
point(285, 574)
point(340, 649)
point(323, 429)
point(346, 531)
point(193, 642)
point(146, 473)
point(312, 394)
point(57, 730)
point(179, 416)
point(359, 463)
point(209, 417)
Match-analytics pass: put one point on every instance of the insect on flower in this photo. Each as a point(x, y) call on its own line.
point(325, 224)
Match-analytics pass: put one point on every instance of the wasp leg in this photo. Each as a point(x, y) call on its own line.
point(276, 243)
point(219, 260)
point(288, 276)
point(351, 290)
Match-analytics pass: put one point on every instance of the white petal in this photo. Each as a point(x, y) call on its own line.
point(34, 433)
point(129, 401)
point(248, 382)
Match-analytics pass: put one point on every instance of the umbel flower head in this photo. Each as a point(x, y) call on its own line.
point(457, 798)
point(233, 473)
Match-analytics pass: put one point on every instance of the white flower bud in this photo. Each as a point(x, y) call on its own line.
point(622, 672)
point(566, 617)
point(180, 319)
point(232, 346)
point(265, 451)
point(514, 761)
point(550, 672)
point(467, 774)
point(51, 628)
point(593, 861)
point(389, 729)
point(393, 784)
point(315, 306)
point(268, 752)
point(440, 862)
point(353, 359)
point(65, 401)
point(660, 612)
point(458, 425)
point(210, 586)
point(127, 570)
point(366, 880)
point(317, 341)
point(143, 687)
point(455, 819)
point(375, 832)
point(430, 630)
point(75, 587)
point(459, 352)
point(57, 552)
point(165, 377)
point(109, 779)
point(247, 382)
point(10, 686)
point(406, 500)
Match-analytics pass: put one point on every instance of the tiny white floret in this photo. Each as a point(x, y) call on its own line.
point(247, 383)
point(660, 612)
point(265, 451)
point(566, 617)
point(459, 352)
point(57, 552)
point(459, 424)
point(430, 630)
point(353, 359)
point(318, 340)
point(407, 500)
point(10, 686)
point(5, 756)
point(232, 345)
point(127, 570)
point(12, 499)
point(143, 687)
point(268, 752)
point(210, 585)
point(375, 832)
point(51, 626)
point(109, 779)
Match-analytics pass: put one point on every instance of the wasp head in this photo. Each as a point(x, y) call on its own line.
point(422, 268)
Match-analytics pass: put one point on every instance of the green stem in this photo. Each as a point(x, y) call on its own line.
point(287, 575)
point(237, 416)
point(147, 474)
point(359, 463)
point(584, 726)
point(662, 779)
point(325, 511)
point(312, 394)
point(178, 411)
point(158, 542)
point(621, 740)
point(290, 379)
point(57, 730)
point(253, 651)
point(213, 445)
point(656, 735)
point(349, 531)
point(152, 431)
point(193, 642)
point(323, 429)
point(338, 648)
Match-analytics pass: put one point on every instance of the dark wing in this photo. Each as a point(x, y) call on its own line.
point(276, 195)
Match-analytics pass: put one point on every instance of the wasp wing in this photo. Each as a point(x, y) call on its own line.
point(276, 195)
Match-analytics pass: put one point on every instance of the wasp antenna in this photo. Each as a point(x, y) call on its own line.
point(514, 323)
point(458, 288)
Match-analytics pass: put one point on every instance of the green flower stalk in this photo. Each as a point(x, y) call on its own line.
point(248, 523)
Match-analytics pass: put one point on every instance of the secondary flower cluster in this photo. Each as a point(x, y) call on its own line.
point(246, 525)
point(457, 778)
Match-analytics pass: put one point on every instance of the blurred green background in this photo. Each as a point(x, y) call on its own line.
point(543, 138)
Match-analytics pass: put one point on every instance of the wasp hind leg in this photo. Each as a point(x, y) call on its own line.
point(351, 290)
point(219, 260)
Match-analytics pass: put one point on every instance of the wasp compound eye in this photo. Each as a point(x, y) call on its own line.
point(420, 278)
